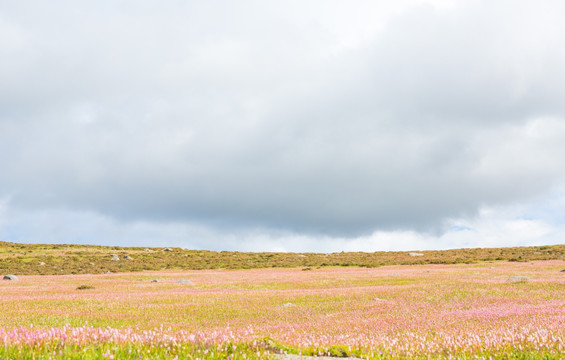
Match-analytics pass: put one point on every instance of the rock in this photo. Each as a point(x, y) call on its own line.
point(415, 254)
point(114, 257)
point(91, 263)
point(148, 250)
point(10, 277)
point(167, 249)
point(184, 282)
point(42, 264)
point(304, 357)
point(562, 270)
point(128, 257)
point(516, 279)
point(288, 304)
point(155, 280)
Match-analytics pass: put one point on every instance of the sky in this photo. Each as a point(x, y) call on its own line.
point(314, 125)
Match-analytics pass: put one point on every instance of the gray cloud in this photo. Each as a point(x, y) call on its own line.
point(277, 117)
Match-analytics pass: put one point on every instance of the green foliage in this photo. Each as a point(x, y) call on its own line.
point(58, 351)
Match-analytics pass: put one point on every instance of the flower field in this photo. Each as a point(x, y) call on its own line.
point(418, 311)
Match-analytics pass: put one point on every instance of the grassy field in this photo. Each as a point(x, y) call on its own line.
point(494, 309)
point(31, 259)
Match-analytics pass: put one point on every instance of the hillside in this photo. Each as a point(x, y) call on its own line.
point(47, 259)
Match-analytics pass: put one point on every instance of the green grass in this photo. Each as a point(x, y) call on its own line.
point(264, 350)
point(55, 351)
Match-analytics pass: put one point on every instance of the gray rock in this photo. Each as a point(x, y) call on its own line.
point(10, 277)
point(516, 279)
point(114, 257)
point(562, 270)
point(381, 300)
point(288, 304)
point(42, 264)
point(167, 249)
point(155, 280)
point(184, 282)
point(304, 357)
point(415, 254)
point(128, 257)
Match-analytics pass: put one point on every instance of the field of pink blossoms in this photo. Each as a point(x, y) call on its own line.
point(427, 311)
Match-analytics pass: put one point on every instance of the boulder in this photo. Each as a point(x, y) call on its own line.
point(155, 280)
point(304, 357)
point(10, 277)
point(380, 300)
point(114, 257)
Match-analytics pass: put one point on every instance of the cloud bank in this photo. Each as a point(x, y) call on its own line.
point(260, 125)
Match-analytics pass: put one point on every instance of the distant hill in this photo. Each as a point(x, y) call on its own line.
point(45, 259)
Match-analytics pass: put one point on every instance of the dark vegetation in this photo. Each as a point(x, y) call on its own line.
point(85, 287)
point(30, 259)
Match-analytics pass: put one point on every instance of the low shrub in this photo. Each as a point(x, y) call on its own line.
point(85, 287)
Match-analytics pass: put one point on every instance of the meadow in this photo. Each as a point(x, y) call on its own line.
point(499, 309)
point(62, 259)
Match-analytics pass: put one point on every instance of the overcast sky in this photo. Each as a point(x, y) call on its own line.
point(283, 125)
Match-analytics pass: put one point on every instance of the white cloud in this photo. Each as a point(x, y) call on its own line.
point(363, 126)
